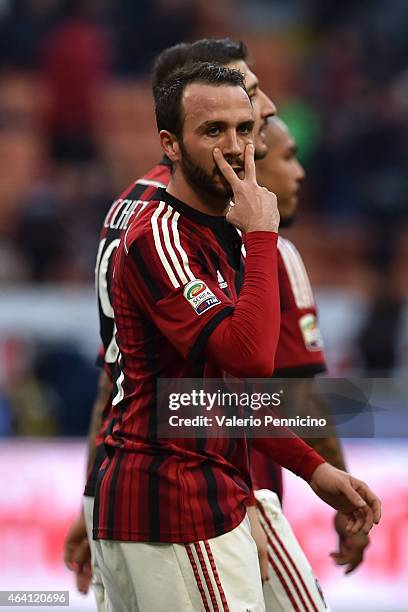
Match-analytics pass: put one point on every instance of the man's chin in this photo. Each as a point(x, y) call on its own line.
point(222, 188)
point(287, 220)
point(288, 212)
point(224, 194)
point(217, 190)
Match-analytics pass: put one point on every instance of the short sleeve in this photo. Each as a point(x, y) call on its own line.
point(300, 349)
point(300, 345)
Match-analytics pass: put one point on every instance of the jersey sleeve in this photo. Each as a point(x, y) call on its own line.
point(167, 280)
point(291, 453)
point(300, 350)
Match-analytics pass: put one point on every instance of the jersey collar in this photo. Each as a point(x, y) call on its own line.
point(216, 222)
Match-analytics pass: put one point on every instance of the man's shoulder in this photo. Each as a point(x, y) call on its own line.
point(293, 276)
point(142, 227)
point(159, 224)
point(145, 186)
point(286, 246)
point(289, 255)
point(158, 176)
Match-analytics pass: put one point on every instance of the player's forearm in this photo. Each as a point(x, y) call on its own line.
point(291, 453)
point(306, 399)
point(103, 395)
point(330, 449)
point(244, 344)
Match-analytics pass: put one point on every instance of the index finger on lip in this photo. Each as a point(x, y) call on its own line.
point(225, 168)
point(250, 171)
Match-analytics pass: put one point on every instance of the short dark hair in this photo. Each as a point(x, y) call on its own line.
point(168, 95)
point(218, 50)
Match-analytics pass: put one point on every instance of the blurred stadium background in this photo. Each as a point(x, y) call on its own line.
point(77, 125)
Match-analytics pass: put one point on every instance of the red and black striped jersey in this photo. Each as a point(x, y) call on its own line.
point(300, 347)
point(294, 347)
point(150, 488)
point(118, 218)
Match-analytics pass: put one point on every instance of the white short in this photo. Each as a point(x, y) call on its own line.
point(217, 575)
point(97, 583)
point(292, 585)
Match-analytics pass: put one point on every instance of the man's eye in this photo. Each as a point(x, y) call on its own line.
point(245, 129)
point(214, 131)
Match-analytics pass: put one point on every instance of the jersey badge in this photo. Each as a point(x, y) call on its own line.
point(311, 332)
point(199, 296)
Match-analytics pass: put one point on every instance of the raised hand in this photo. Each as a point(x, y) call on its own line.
point(254, 208)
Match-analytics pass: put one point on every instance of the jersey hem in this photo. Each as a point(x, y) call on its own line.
point(301, 371)
point(168, 537)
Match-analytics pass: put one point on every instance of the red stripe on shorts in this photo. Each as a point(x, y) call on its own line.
point(206, 576)
point(290, 559)
point(216, 576)
point(197, 577)
point(283, 583)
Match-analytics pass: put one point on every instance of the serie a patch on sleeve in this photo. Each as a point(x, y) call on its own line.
point(311, 333)
point(199, 296)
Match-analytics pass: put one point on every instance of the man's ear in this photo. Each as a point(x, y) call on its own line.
point(170, 145)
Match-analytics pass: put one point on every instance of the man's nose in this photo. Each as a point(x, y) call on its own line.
point(268, 108)
point(232, 145)
point(301, 173)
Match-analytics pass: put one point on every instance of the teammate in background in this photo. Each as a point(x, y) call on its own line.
point(291, 583)
point(258, 97)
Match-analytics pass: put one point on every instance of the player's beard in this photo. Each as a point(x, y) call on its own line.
point(288, 212)
point(287, 221)
point(199, 179)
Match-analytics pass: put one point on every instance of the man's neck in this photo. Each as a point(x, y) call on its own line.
point(206, 203)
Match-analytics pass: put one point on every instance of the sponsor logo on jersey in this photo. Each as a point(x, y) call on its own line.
point(221, 282)
point(311, 332)
point(199, 296)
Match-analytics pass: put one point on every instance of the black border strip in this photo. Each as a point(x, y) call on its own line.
point(207, 330)
point(143, 270)
point(305, 371)
point(192, 213)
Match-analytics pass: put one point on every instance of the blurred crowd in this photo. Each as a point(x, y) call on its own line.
point(77, 125)
point(76, 119)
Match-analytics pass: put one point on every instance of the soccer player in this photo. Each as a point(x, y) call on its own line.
point(196, 490)
point(227, 52)
point(224, 51)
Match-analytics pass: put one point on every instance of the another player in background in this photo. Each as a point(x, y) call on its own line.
point(291, 583)
point(79, 547)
